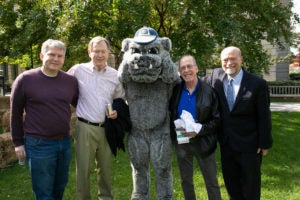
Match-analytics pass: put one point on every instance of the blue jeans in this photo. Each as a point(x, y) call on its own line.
point(49, 162)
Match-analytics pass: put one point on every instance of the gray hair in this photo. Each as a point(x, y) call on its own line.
point(53, 43)
point(187, 56)
point(96, 40)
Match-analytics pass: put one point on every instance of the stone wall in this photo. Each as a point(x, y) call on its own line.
point(7, 153)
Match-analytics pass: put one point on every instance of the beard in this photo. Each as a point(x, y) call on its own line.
point(231, 71)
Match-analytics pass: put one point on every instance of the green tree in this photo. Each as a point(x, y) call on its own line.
point(203, 28)
point(115, 20)
point(25, 25)
point(198, 27)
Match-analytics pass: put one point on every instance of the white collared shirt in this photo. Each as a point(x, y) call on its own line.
point(96, 90)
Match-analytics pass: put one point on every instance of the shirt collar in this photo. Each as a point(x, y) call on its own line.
point(197, 86)
point(238, 78)
point(92, 68)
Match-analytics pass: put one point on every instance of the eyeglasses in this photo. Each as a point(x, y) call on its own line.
point(186, 67)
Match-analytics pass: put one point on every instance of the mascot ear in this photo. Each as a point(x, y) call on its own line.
point(125, 44)
point(166, 43)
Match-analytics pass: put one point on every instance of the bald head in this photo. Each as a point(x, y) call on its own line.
point(231, 59)
point(231, 49)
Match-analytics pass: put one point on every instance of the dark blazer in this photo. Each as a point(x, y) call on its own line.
point(248, 126)
point(115, 129)
point(206, 113)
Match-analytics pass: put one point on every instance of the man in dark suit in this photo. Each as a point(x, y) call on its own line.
point(245, 133)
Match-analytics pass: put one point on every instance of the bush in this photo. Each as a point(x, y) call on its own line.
point(285, 83)
point(295, 76)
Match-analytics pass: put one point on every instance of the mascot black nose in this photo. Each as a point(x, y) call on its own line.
point(143, 60)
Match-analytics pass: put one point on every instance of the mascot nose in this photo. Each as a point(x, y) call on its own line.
point(144, 60)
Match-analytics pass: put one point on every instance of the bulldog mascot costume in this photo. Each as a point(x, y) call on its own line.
point(148, 75)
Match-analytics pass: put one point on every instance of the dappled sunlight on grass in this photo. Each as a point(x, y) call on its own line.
point(281, 167)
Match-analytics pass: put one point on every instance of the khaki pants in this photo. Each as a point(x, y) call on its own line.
point(90, 146)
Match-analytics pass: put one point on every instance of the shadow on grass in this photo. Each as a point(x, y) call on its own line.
point(280, 171)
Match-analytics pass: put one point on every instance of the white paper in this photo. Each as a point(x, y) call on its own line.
point(187, 122)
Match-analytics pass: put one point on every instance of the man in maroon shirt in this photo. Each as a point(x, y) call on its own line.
point(42, 138)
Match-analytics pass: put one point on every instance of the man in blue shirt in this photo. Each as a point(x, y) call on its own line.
point(196, 97)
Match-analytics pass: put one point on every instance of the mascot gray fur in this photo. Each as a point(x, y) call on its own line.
point(148, 75)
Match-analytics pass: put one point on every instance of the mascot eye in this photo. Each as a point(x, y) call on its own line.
point(153, 50)
point(135, 50)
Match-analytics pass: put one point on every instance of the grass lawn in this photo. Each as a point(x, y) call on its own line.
point(280, 171)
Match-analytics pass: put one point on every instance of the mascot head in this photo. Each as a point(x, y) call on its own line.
point(146, 58)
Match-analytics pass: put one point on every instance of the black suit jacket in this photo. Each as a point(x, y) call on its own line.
point(248, 126)
point(115, 128)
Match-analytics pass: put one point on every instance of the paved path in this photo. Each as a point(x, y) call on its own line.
point(279, 106)
point(290, 107)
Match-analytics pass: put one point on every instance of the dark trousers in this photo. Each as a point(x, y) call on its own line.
point(185, 154)
point(241, 173)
